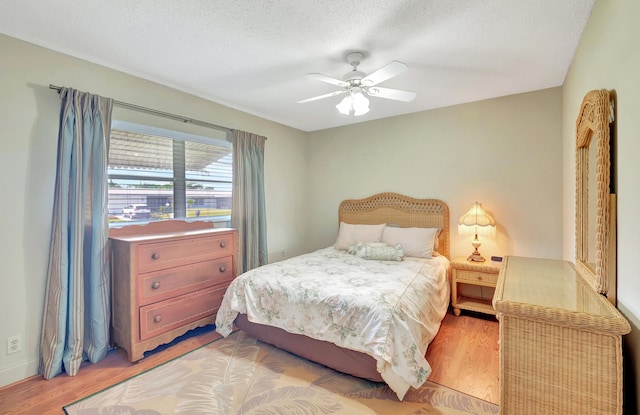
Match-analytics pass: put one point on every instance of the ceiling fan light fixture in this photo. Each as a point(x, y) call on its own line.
point(356, 85)
point(360, 104)
point(355, 104)
point(344, 107)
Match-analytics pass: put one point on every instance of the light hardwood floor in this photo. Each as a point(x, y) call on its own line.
point(464, 356)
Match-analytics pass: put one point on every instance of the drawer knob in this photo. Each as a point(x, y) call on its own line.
point(223, 268)
point(155, 285)
point(155, 255)
point(479, 277)
point(157, 318)
point(223, 244)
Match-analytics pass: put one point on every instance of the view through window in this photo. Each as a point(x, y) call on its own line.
point(158, 174)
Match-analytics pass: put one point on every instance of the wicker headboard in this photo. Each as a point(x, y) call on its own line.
point(399, 210)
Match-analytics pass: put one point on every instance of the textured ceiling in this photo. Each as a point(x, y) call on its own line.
point(253, 55)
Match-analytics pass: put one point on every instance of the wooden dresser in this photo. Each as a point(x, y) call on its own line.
point(560, 341)
point(168, 277)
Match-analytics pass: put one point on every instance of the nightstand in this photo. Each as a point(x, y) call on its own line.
point(482, 274)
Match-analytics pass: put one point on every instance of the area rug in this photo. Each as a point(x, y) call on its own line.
point(240, 375)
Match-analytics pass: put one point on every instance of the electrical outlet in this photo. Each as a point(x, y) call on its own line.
point(14, 344)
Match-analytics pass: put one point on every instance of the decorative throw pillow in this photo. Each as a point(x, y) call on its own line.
point(416, 242)
point(377, 250)
point(355, 246)
point(350, 234)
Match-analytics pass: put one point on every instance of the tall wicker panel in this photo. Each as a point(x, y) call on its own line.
point(560, 341)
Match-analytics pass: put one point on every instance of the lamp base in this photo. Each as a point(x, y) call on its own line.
point(475, 257)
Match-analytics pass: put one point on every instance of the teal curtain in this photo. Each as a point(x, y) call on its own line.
point(75, 324)
point(248, 214)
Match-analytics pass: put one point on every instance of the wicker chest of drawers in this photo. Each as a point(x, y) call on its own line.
point(167, 278)
point(560, 341)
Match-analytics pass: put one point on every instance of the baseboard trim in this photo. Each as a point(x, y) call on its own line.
point(18, 372)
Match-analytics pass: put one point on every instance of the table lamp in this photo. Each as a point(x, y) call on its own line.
point(476, 222)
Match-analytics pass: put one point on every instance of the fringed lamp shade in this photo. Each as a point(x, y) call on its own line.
point(476, 222)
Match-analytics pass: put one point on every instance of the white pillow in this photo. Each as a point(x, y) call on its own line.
point(415, 242)
point(350, 234)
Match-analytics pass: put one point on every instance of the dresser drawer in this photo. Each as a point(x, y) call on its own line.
point(160, 285)
point(163, 255)
point(463, 275)
point(167, 315)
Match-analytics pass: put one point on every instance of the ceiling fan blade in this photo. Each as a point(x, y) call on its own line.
point(390, 70)
point(327, 79)
point(395, 94)
point(330, 94)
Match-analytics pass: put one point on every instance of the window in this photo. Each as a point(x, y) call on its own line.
point(158, 174)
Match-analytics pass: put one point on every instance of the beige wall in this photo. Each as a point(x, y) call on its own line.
point(505, 153)
point(28, 145)
point(608, 57)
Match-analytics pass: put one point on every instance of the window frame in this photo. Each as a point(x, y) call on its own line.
point(180, 184)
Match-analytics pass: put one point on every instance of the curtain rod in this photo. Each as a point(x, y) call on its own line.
point(160, 113)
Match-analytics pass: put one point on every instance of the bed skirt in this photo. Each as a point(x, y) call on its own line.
point(325, 353)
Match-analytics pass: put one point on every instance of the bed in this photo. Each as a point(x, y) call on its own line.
point(354, 306)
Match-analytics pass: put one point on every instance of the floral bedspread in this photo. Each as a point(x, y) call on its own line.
point(389, 310)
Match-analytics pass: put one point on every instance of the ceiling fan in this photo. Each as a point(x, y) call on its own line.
point(356, 84)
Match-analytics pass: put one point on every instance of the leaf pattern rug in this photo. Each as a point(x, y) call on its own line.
point(240, 375)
